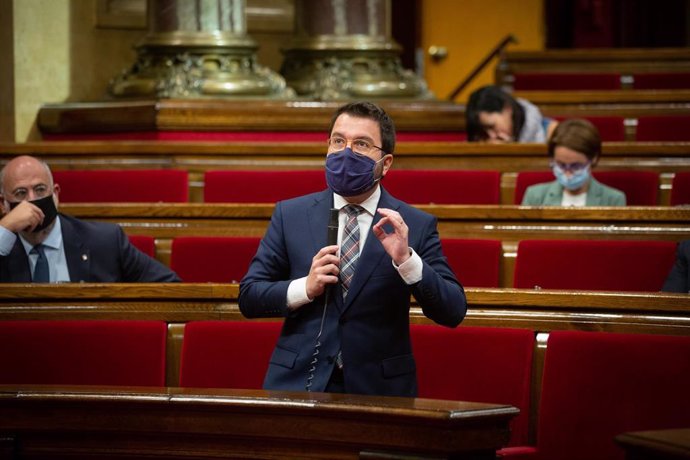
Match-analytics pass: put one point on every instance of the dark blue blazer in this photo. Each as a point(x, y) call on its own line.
point(96, 252)
point(678, 279)
point(372, 326)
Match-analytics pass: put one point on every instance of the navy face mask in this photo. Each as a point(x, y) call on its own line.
point(45, 204)
point(349, 174)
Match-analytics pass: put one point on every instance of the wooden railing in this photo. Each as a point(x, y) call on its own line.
point(510, 224)
point(130, 422)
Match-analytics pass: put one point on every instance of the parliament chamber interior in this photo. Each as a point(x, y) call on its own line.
point(570, 349)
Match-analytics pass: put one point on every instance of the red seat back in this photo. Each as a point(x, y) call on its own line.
point(481, 364)
point(663, 128)
point(227, 354)
point(476, 263)
point(611, 127)
point(123, 185)
point(442, 186)
point(680, 188)
point(594, 265)
point(662, 80)
point(526, 178)
point(641, 188)
point(212, 259)
point(83, 352)
point(524, 81)
point(245, 186)
point(146, 244)
point(598, 385)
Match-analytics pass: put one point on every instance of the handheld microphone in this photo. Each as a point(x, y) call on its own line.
point(333, 227)
point(331, 239)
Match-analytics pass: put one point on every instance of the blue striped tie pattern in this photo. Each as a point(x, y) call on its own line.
point(349, 248)
point(41, 273)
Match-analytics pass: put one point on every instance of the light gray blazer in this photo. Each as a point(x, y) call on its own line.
point(551, 194)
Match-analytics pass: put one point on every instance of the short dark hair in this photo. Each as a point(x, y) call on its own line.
point(576, 134)
point(363, 109)
point(491, 99)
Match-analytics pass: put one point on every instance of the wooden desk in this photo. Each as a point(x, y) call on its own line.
point(109, 423)
point(656, 445)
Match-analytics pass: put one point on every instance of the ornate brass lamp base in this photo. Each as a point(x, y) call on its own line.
point(178, 65)
point(333, 68)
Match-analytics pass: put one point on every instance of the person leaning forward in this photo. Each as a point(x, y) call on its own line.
point(359, 342)
point(33, 235)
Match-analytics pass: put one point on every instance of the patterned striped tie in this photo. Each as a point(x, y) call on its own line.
point(349, 248)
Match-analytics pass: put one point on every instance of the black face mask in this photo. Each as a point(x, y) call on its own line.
point(45, 204)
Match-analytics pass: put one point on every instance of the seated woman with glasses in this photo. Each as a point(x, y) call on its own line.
point(574, 149)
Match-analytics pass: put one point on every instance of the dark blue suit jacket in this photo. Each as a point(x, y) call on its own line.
point(96, 252)
point(372, 326)
point(678, 279)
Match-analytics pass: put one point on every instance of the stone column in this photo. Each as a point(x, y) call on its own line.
point(197, 48)
point(342, 49)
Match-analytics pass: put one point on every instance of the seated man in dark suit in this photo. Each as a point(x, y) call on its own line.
point(678, 279)
point(347, 306)
point(38, 244)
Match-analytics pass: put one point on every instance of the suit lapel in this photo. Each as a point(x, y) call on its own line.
point(78, 257)
point(18, 264)
point(317, 217)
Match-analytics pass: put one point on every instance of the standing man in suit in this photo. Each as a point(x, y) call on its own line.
point(678, 279)
point(347, 332)
point(38, 244)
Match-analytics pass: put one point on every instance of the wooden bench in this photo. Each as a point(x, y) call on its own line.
point(623, 62)
point(540, 311)
point(509, 224)
point(198, 157)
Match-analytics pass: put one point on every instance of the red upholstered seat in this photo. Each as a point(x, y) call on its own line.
point(246, 186)
point(593, 264)
point(565, 81)
point(663, 128)
point(442, 186)
point(480, 364)
point(680, 188)
point(146, 244)
point(476, 263)
point(661, 80)
point(212, 259)
point(227, 354)
point(83, 352)
point(641, 188)
point(123, 185)
point(597, 385)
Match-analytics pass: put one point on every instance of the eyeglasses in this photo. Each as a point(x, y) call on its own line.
point(359, 146)
point(570, 167)
point(40, 191)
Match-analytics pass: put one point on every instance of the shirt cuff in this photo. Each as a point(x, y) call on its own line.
point(7, 240)
point(411, 270)
point(297, 294)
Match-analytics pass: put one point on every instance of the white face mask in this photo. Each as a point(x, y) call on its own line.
point(574, 181)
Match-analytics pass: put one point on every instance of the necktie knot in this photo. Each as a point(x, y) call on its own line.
point(353, 210)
